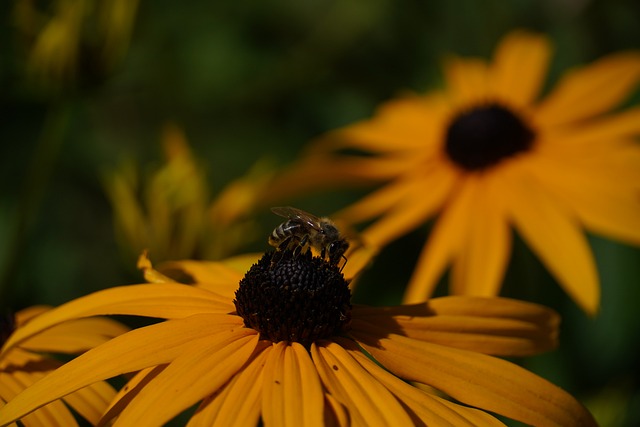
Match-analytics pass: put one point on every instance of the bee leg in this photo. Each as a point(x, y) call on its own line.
point(345, 263)
point(302, 245)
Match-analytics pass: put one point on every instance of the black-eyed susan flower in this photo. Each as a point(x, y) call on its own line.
point(170, 212)
point(283, 344)
point(490, 153)
point(30, 360)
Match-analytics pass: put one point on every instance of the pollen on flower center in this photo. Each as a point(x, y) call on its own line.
point(483, 136)
point(296, 298)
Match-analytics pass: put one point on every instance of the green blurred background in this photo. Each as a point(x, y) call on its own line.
point(251, 80)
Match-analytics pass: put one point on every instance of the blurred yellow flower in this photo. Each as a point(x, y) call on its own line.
point(290, 350)
point(170, 214)
point(75, 38)
point(484, 155)
point(27, 362)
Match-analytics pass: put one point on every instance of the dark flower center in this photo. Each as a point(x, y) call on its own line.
point(7, 326)
point(289, 297)
point(483, 136)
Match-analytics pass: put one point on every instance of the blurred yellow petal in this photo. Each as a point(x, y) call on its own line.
point(158, 300)
point(607, 205)
point(555, 236)
point(289, 374)
point(519, 67)
point(467, 79)
point(368, 401)
point(443, 244)
point(591, 90)
point(203, 367)
point(478, 380)
point(408, 213)
point(483, 258)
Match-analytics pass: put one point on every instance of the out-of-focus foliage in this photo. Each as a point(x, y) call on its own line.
point(248, 80)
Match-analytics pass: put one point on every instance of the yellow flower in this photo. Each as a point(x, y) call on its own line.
point(24, 364)
point(291, 350)
point(487, 154)
point(76, 38)
point(170, 213)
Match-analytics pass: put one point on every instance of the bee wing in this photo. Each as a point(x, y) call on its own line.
point(299, 215)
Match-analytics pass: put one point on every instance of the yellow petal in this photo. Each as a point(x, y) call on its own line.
point(519, 67)
point(336, 414)
point(239, 403)
point(292, 394)
point(517, 329)
point(405, 125)
point(214, 276)
point(443, 243)
point(128, 393)
point(555, 236)
point(53, 414)
point(368, 402)
point(478, 380)
point(412, 212)
point(149, 346)
point(480, 266)
point(91, 401)
point(331, 172)
point(150, 274)
point(202, 369)
point(427, 408)
point(152, 300)
point(591, 90)
point(467, 80)
point(597, 192)
point(597, 133)
point(75, 336)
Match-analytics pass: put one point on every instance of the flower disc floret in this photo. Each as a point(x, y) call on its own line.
point(294, 297)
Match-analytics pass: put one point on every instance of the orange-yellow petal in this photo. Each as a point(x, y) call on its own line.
point(467, 80)
point(239, 403)
point(427, 408)
point(75, 336)
point(149, 346)
point(443, 243)
point(91, 401)
point(555, 236)
point(590, 90)
point(368, 402)
point(478, 380)
point(152, 300)
point(292, 394)
point(128, 393)
point(597, 192)
point(519, 67)
point(202, 368)
point(519, 329)
point(482, 260)
point(411, 212)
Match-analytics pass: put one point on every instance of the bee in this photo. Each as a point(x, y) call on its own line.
point(302, 231)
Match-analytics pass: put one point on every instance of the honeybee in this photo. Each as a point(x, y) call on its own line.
point(302, 231)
